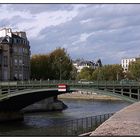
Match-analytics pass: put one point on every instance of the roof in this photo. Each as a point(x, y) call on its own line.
point(4, 39)
point(16, 36)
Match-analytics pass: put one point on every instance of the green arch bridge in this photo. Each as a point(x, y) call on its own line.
point(16, 95)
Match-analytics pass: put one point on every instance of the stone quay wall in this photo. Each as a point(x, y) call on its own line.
point(125, 122)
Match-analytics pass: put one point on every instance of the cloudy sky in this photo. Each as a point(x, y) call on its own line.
point(90, 31)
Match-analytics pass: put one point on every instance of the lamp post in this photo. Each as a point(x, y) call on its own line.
point(117, 77)
point(60, 60)
point(22, 71)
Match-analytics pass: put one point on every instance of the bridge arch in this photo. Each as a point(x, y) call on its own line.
point(17, 101)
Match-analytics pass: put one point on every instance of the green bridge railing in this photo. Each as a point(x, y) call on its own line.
point(128, 89)
point(47, 82)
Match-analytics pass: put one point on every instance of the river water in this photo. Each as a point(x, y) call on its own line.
point(33, 122)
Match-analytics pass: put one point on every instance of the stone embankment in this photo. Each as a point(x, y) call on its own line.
point(126, 122)
point(86, 96)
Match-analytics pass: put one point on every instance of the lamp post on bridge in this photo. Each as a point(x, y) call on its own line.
point(22, 72)
point(117, 76)
point(60, 60)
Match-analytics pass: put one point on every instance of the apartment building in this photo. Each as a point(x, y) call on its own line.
point(80, 64)
point(126, 61)
point(14, 55)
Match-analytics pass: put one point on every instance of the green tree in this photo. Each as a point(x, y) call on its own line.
point(40, 66)
point(61, 64)
point(134, 70)
point(86, 73)
point(74, 73)
point(95, 74)
point(108, 72)
point(52, 66)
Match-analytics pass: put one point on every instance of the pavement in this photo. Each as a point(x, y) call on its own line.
point(126, 122)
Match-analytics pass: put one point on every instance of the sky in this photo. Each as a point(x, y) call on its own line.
point(89, 31)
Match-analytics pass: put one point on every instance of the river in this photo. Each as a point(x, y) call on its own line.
point(76, 109)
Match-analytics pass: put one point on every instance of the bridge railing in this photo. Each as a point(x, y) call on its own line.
point(13, 86)
point(80, 82)
point(45, 82)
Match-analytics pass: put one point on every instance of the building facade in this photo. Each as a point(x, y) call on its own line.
point(14, 55)
point(126, 61)
point(80, 64)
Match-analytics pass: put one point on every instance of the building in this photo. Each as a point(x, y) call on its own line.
point(126, 61)
point(14, 55)
point(80, 64)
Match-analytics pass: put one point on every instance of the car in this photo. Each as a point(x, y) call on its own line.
point(83, 81)
point(124, 81)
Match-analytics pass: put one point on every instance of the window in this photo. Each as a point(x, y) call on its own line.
point(20, 76)
point(20, 41)
point(15, 49)
point(16, 75)
point(5, 60)
point(0, 59)
point(20, 61)
point(20, 50)
point(5, 74)
point(23, 50)
point(15, 61)
point(15, 40)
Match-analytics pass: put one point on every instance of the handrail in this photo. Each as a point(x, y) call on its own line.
point(105, 86)
point(77, 126)
point(44, 82)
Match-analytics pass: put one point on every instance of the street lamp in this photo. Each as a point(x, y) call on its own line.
point(60, 60)
point(117, 77)
point(22, 71)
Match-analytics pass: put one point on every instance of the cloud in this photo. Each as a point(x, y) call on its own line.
point(39, 8)
point(33, 23)
point(90, 31)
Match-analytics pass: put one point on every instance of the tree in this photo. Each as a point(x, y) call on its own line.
point(134, 70)
point(74, 73)
point(51, 66)
point(40, 66)
point(95, 74)
point(86, 73)
point(61, 64)
point(108, 72)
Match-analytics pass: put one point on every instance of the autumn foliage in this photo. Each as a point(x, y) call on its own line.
point(50, 66)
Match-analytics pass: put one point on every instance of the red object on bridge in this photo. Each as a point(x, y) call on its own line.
point(62, 87)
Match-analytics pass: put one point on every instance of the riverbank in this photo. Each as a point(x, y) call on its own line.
point(86, 96)
point(125, 122)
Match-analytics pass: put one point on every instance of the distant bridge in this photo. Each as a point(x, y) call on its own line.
point(18, 94)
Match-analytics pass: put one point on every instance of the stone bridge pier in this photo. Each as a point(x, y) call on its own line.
point(49, 104)
point(12, 104)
